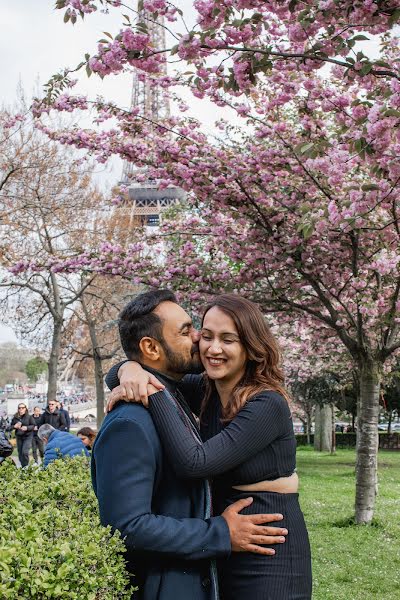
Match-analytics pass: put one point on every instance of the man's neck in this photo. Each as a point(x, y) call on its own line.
point(163, 371)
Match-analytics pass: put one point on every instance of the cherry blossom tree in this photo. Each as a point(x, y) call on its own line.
point(299, 210)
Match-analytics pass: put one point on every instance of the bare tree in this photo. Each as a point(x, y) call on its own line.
point(49, 211)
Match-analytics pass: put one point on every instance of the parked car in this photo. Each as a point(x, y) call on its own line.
point(383, 426)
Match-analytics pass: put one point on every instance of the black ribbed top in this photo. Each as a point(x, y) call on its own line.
point(258, 444)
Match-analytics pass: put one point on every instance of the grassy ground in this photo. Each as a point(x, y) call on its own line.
point(351, 562)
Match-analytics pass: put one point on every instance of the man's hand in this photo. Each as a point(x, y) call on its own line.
point(17, 425)
point(24, 428)
point(248, 531)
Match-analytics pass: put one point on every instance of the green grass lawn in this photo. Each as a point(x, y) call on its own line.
point(350, 562)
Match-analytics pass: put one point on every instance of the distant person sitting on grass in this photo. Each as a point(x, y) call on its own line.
point(59, 444)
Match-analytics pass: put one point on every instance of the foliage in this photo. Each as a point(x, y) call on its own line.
point(349, 440)
point(34, 367)
point(52, 544)
point(246, 39)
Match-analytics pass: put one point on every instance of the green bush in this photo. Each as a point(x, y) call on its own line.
point(51, 542)
point(348, 440)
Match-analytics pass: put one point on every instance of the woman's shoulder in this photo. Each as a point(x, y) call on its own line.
point(268, 399)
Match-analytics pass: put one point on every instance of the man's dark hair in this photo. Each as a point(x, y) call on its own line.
point(137, 320)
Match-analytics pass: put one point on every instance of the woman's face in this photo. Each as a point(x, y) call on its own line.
point(221, 351)
point(84, 439)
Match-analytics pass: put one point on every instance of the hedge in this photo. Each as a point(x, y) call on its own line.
point(51, 542)
point(348, 440)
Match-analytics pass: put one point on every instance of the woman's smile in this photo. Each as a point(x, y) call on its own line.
point(221, 350)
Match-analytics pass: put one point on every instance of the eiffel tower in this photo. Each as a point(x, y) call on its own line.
point(146, 200)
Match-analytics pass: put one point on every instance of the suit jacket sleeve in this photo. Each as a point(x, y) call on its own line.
point(124, 466)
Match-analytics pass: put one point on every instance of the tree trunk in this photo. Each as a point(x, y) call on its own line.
point(308, 428)
point(317, 428)
point(100, 396)
point(367, 441)
point(53, 359)
point(333, 419)
point(389, 429)
point(323, 428)
point(98, 369)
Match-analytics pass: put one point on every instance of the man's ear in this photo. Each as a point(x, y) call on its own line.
point(150, 348)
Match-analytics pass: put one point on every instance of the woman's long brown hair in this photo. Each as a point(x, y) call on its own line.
point(263, 369)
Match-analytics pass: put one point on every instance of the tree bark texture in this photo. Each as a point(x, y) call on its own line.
point(100, 396)
point(323, 428)
point(367, 442)
point(53, 359)
point(98, 369)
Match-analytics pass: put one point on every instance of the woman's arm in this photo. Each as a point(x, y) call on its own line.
point(193, 389)
point(31, 425)
point(255, 426)
point(112, 379)
point(134, 380)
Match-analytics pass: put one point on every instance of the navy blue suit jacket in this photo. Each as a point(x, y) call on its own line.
point(169, 540)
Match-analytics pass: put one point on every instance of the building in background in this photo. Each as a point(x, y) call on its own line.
point(144, 198)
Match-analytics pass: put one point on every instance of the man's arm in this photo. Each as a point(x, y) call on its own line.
point(31, 425)
point(67, 420)
point(123, 469)
point(63, 421)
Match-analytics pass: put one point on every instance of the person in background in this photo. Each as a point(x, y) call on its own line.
point(87, 435)
point(59, 444)
point(37, 444)
point(23, 424)
point(52, 416)
point(61, 409)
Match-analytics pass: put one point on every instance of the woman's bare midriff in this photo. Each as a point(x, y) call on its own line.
point(283, 485)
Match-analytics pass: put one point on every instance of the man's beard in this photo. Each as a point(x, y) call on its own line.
point(180, 365)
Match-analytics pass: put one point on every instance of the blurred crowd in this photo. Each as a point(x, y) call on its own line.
point(45, 433)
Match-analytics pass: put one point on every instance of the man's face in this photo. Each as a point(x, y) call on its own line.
point(52, 406)
point(36, 411)
point(180, 343)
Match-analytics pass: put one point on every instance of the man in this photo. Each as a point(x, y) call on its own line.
point(37, 444)
point(61, 409)
point(59, 444)
point(166, 522)
point(52, 416)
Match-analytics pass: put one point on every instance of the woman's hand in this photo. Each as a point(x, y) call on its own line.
point(136, 385)
point(119, 393)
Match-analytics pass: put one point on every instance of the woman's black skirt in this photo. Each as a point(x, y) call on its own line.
point(284, 576)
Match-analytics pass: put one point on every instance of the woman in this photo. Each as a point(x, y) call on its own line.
point(37, 444)
point(87, 435)
point(24, 425)
point(249, 446)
